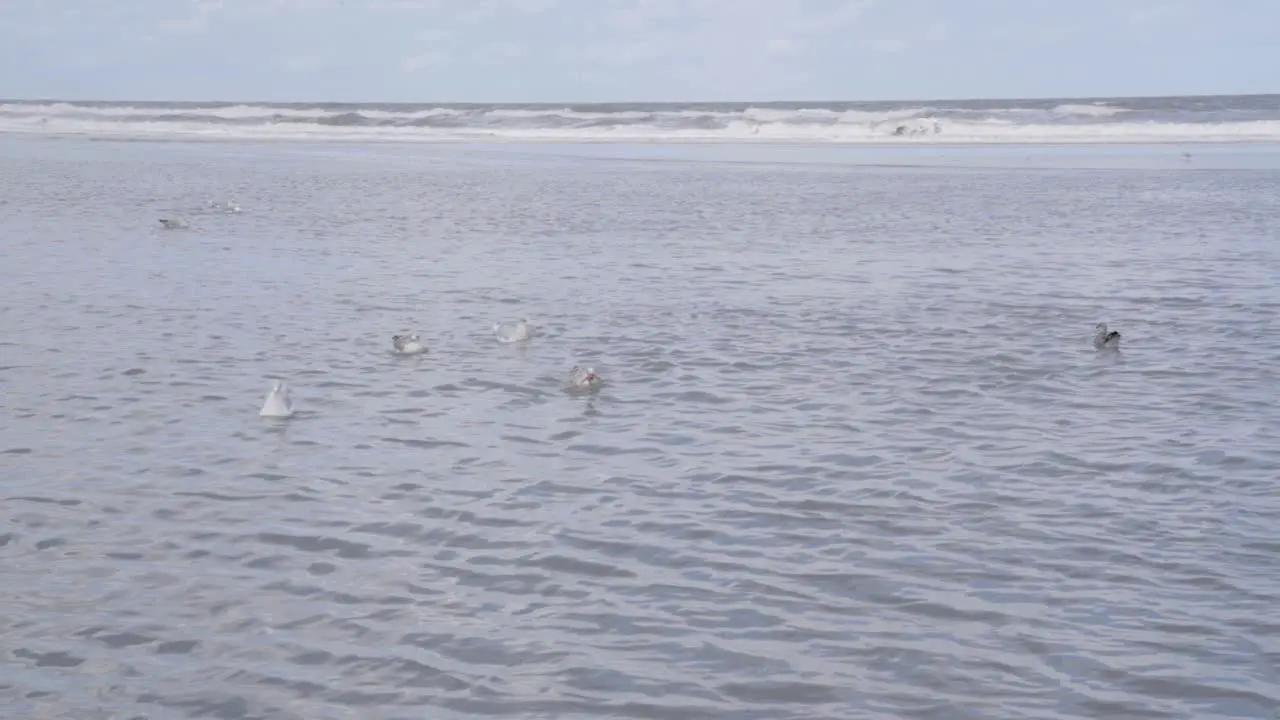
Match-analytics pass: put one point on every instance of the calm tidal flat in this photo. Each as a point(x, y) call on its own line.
point(854, 456)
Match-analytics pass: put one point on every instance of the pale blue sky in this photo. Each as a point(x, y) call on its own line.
point(593, 50)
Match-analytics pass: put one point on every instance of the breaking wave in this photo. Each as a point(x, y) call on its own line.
point(1241, 119)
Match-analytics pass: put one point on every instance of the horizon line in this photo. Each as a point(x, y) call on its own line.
point(500, 103)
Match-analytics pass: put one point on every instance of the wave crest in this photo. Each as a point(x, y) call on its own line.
point(969, 122)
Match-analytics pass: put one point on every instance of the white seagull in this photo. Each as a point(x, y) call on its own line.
point(1104, 340)
point(278, 403)
point(584, 378)
point(408, 344)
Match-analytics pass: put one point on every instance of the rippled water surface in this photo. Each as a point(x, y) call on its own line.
point(854, 458)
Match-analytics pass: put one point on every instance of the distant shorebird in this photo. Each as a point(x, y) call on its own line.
point(1104, 340)
point(174, 223)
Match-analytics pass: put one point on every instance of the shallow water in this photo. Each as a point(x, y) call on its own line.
point(855, 457)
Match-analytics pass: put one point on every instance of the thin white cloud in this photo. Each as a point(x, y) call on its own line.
point(499, 51)
point(644, 48)
point(292, 5)
point(477, 11)
point(1157, 12)
point(423, 61)
point(1149, 22)
point(302, 63)
point(780, 46)
point(404, 5)
point(202, 10)
point(630, 53)
point(700, 34)
point(426, 52)
point(534, 7)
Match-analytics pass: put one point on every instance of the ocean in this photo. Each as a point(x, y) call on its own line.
point(1067, 120)
point(854, 457)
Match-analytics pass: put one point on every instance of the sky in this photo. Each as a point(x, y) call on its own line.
point(634, 50)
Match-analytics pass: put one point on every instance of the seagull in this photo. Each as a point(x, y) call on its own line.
point(408, 344)
point(278, 403)
point(1103, 340)
point(584, 379)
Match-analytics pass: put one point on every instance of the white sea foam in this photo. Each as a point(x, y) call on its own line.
point(1090, 110)
point(954, 123)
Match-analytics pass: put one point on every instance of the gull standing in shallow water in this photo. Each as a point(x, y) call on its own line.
point(509, 331)
point(278, 403)
point(408, 344)
point(1104, 340)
